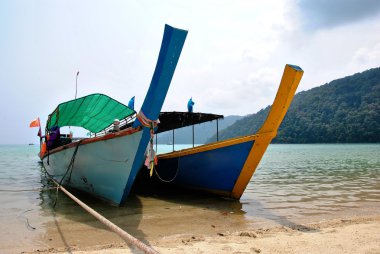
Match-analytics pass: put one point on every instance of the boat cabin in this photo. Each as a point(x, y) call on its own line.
point(170, 121)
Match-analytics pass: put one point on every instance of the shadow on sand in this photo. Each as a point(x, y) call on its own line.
point(181, 196)
point(69, 220)
point(148, 203)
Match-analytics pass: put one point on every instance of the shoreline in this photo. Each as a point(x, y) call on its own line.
point(345, 235)
point(298, 202)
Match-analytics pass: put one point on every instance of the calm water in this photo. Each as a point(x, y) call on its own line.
point(292, 183)
point(309, 180)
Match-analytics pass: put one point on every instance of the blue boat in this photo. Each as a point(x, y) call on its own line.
point(224, 167)
point(106, 164)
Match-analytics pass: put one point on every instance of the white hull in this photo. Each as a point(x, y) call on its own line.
point(101, 168)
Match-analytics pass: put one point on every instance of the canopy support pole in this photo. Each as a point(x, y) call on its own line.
point(173, 140)
point(217, 130)
point(193, 135)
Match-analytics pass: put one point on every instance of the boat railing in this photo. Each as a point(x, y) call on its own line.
point(124, 124)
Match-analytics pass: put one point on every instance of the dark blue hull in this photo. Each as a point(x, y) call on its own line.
point(226, 167)
point(215, 170)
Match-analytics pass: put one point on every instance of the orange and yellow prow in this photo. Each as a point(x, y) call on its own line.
point(288, 86)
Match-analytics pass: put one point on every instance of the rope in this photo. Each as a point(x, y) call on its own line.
point(72, 161)
point(124, 235)
point(171, 180)
point(151, 159)
point(146, 121)
point(71, 165)
point(27, 220)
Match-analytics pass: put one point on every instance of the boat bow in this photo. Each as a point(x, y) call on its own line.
point(171, 47)
point(288, 86)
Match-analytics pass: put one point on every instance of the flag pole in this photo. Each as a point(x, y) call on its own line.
point(76, 85)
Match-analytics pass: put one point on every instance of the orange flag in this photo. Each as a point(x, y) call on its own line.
point(35, 123)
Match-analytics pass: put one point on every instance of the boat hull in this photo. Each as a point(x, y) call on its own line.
point(226, 167)
point(107, 166)
point(213, 169)
point(101, 168)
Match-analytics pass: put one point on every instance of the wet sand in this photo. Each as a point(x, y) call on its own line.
point(356, 235)
point(199, 224)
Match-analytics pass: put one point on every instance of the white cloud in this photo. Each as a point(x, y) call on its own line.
point(367, 56)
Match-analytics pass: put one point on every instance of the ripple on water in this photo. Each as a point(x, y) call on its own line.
point(311, 179)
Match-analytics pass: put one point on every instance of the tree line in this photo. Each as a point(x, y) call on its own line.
point(345, 110)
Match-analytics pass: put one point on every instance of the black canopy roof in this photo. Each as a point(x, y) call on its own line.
point(175, 120)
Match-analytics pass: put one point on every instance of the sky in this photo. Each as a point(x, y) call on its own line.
point(231, 63)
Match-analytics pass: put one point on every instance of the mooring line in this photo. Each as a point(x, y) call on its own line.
point(124, 235)
point(27, 220)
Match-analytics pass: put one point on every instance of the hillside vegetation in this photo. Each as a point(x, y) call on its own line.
point(345, 110)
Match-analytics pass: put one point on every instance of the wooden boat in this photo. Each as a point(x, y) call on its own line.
point(106, 164)
point(225, 167)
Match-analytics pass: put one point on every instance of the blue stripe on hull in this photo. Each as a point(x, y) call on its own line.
point(215, 170)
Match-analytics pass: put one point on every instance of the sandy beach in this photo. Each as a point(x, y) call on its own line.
point(210, 225)
point(355, 235)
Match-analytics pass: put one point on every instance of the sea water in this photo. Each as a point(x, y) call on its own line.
point(292, 183)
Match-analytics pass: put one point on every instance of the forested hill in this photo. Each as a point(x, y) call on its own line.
point(345, 110)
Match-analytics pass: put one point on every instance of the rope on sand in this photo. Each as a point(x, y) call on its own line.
point(127, 237)
point(27, 220)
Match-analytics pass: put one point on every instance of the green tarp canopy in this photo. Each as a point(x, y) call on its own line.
point(94, 112)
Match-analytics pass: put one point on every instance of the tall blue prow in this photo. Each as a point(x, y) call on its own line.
point(171, 47)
